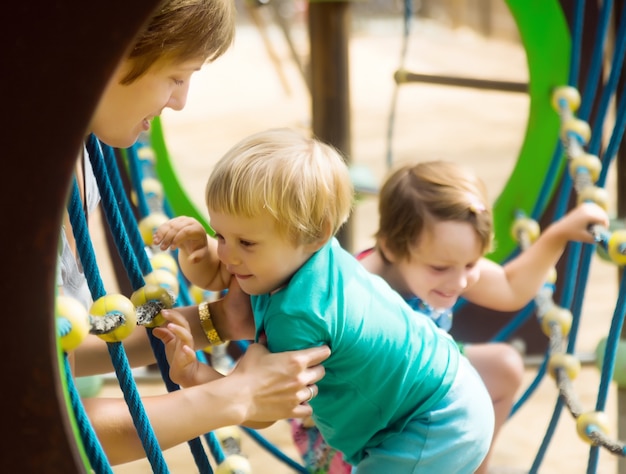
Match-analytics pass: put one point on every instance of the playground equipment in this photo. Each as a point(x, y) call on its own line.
point(44, 441)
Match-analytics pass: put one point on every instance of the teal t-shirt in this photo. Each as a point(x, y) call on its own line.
point(387, 366)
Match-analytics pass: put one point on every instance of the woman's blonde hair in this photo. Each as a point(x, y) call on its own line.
point(303, 183)
point(414, 196)
point(183, 30)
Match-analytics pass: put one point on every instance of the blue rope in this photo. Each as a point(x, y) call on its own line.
point(532, 386)
point(549, 433)
point(577, 36)
point(135, 179)
point(93, 448)
point(83, 242)
point(197, 450)
point(597, 56)
point(130, 247)
point(514, 324)
point(118, 356)
point(610, 88)
point(616, 139)
point(261, 441)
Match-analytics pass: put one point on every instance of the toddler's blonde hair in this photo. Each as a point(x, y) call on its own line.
point(302, 182)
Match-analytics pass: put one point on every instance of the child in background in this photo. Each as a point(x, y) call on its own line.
point(397, 395)
point(435, 226)
point(434, 230)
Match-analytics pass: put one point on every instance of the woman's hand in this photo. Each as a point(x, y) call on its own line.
point(279, 385)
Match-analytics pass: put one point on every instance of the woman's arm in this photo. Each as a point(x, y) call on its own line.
point(262, 388)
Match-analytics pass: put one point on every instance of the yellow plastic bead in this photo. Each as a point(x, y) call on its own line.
point(152, 292)
point(567, 362)
point(147, 154)
point(165, 279)
point(616, 246)
point(152, 188)
point(557, 315)
point(198, 295)
point(587, 161)
point(597, 420)
point(234, 464)
point(229, 438)
point(149, 224)
point(567, 93)
point(525, 225)
point(164, 261)
point(552, 276)
point(600, 196)
point(115, 304)
point(578, 127)
point(78, 317)
point(400, 76)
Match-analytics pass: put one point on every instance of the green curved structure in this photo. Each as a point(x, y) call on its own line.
point(177, 197)
point(546, 38)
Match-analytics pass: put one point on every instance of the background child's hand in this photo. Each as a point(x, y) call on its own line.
point(184, 233)
point(185, 368)
point(575, 224)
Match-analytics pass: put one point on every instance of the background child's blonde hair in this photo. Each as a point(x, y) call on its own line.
point(303, 183)
point(415, 196)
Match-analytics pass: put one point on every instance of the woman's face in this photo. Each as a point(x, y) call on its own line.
point(124, 111)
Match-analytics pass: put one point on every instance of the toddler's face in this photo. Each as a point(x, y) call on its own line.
point(443, 264)
point(253, 250)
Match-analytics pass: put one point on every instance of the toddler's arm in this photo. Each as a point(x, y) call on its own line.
point(197, 252)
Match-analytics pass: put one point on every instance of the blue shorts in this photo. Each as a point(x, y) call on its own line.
point(454, 437)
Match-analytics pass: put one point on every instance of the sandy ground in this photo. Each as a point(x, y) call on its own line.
point(241, 93)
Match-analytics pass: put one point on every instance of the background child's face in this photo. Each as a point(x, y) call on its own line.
point(124, 111)
point(255, 252)
point(443, 265)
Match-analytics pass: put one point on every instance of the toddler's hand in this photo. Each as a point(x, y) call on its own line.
point(185, 233)
point(185, 367)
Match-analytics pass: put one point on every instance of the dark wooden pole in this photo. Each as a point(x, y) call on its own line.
point(329, 26)
point(58, 57)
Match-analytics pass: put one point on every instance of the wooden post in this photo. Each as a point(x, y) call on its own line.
point(329, 25)
point(61, 55)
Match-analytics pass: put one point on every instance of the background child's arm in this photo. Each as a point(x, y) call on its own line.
point(510, 287)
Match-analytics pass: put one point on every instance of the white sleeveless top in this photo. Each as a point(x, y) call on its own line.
point(70, 274)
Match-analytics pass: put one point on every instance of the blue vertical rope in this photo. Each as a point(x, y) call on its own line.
point(116, 350)
point(97, 458)
point(130, 248)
